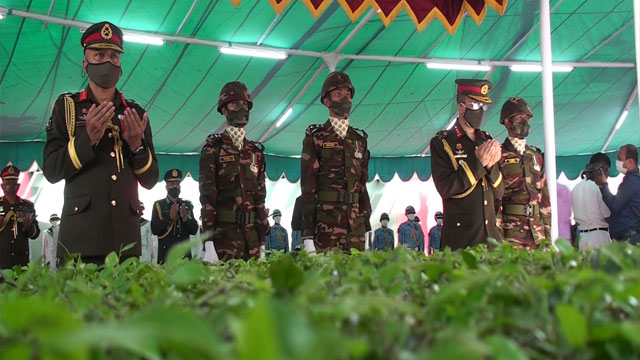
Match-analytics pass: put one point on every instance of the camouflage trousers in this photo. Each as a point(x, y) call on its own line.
point(522, 232)
point(339, 227)
point(233, 241)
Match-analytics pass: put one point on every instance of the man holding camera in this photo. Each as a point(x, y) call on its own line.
point(625, 205)
point(172, 218)
point(589, 210)
point(17, 221)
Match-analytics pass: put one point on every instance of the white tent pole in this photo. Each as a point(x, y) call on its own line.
point(549, 120)
point(636, 21)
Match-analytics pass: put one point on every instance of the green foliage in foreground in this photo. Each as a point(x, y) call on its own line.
point(473, 304)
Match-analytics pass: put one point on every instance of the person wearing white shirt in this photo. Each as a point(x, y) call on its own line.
point(589, 210)
point(149, 242)
point(50, 242)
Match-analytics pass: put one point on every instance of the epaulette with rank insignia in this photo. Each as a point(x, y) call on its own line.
point(212, 139)
point(360, 132)
point(443, 133)
point(486, 135)
point(313, 128)
point(258, 145)
point(534, 148)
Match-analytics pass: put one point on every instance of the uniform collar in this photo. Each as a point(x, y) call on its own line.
point(87, 94)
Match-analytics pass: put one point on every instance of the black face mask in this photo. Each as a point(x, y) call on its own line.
point(174, 192)
point(11, 189)
point(105, 75)
point(474, 117)
point(238, 118)
point(341, 108)
point(520, 130)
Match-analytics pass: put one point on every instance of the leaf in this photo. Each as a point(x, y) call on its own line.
point(129, 246)
point(111, 261)
point(503, 348)
point(469, 259)
point(178, 252)
point(573, 325)
point(256, 335)
point(285, 276)
point(188, 273)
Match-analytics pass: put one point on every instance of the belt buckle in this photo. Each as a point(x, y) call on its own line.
point(240, 218)
point(528, 210)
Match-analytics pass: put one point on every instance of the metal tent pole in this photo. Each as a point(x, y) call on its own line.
point(549, 120)
point(636, 21)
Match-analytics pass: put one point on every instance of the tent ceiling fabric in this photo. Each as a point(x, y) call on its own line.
point(400, 105)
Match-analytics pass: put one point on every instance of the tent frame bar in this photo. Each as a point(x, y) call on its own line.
point(615, 128)
point(332, 55)
point(328, 62)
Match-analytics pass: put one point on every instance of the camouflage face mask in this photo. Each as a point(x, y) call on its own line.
point(342, 107)
point(520, 129)
point(238, 118)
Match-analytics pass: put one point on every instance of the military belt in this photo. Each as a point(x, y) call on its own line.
point(338, 196)
point(523, 210)
point(235, 217)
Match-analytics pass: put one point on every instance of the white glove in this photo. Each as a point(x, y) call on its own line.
point(210, 254)
point(308, 246)
point(263, 252)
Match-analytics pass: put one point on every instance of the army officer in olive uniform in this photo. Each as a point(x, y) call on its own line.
point(18, 221)
point(172, 219)
point(465, 171)
point(100, 144)
point(335, 169)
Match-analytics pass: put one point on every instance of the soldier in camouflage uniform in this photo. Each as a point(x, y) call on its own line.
point(232, 182)
point(335, 169)
point(526, 210)
point(464, 163)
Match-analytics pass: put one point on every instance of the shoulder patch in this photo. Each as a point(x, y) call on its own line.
point(313, 128)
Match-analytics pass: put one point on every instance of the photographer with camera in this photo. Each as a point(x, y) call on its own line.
point(589, 210)
point(17, 221)
point(625, 204)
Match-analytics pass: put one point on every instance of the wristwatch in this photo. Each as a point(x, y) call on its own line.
point(138, 150)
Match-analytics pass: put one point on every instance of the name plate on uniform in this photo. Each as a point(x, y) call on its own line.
point(330, 145)
point(228, 158)
point(512, 161)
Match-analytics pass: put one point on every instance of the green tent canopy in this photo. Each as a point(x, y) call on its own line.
point(401, 104)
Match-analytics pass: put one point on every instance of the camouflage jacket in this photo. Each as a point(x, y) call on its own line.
point(333, 164)
point(468, 189)
point(525, 184)
point(232, 180)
